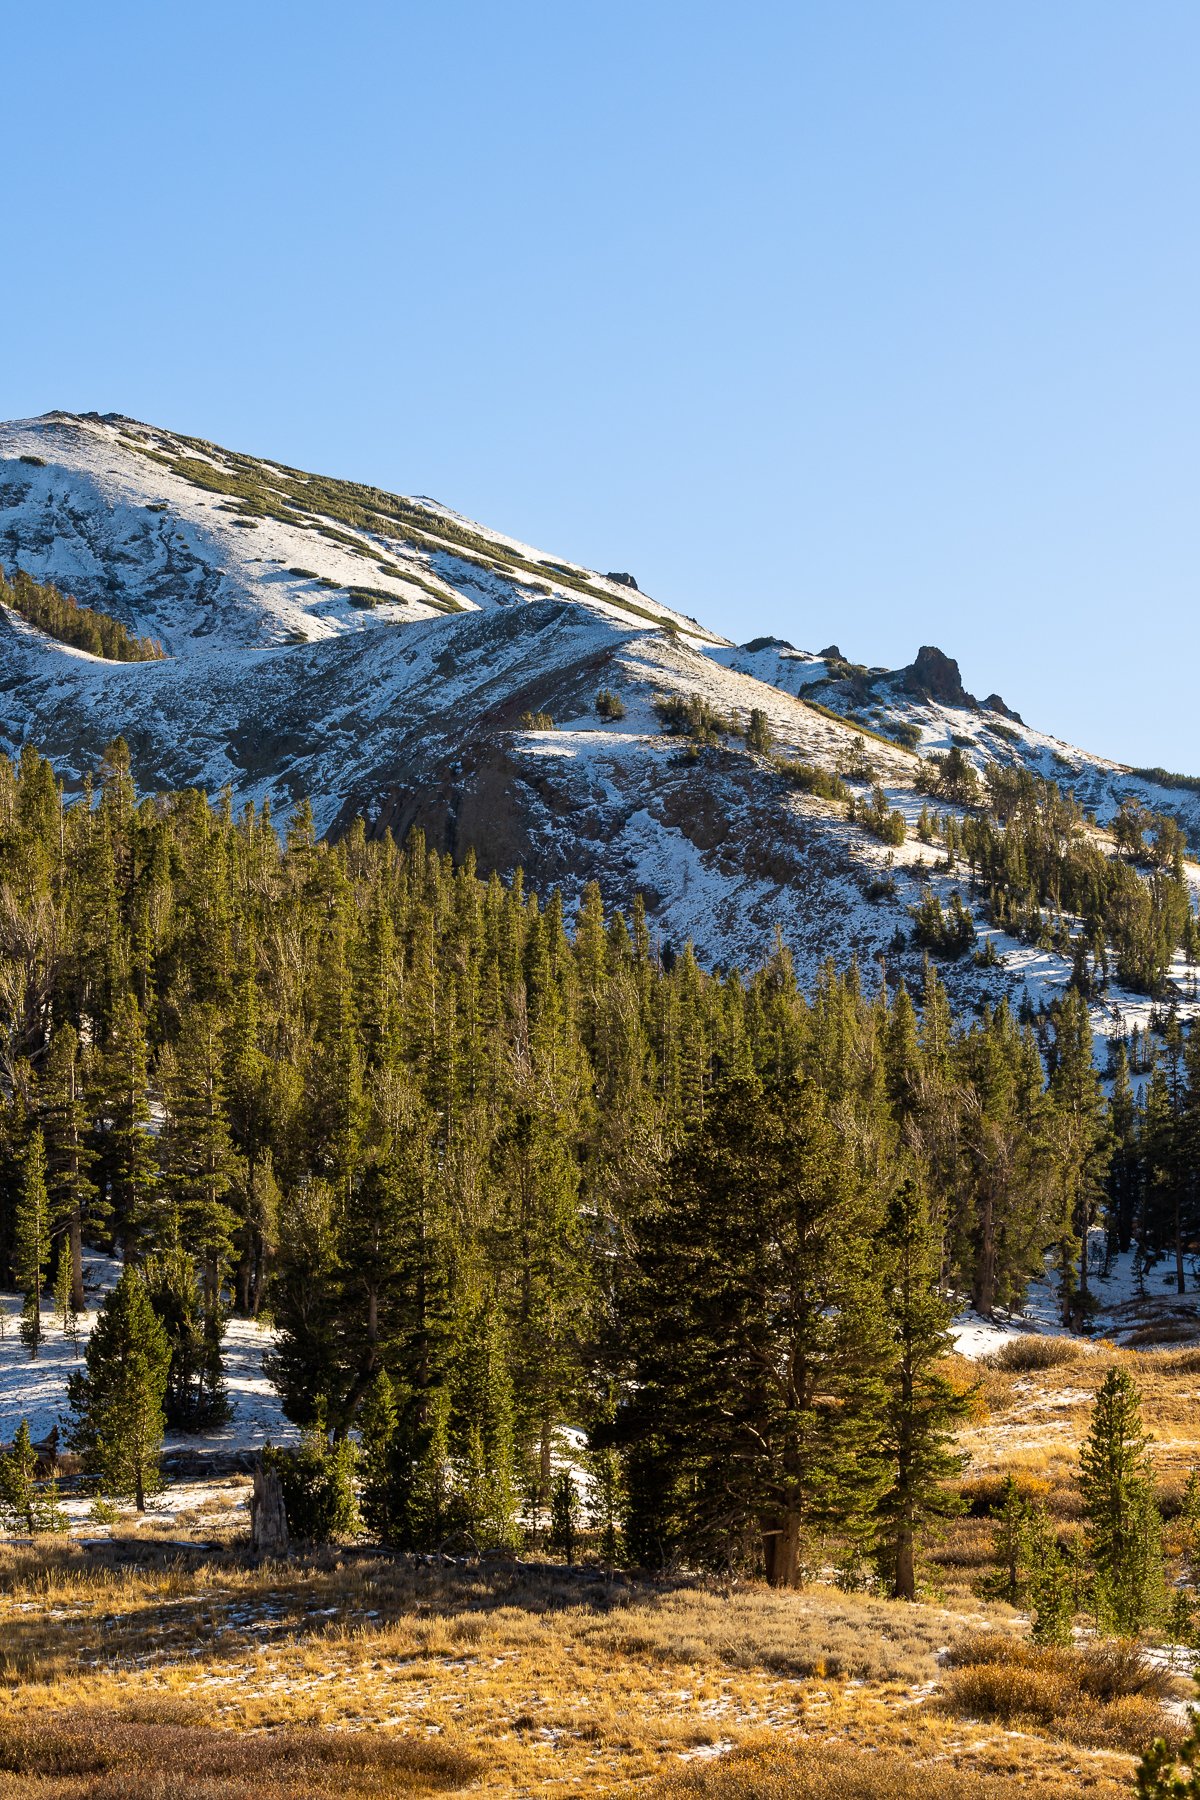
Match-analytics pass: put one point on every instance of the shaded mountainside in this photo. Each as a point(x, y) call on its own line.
point(384, 656)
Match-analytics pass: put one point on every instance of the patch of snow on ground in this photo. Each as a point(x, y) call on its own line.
point(36, 1390)
point(1125, 1300)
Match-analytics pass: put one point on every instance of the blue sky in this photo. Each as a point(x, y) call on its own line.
point(856, 321)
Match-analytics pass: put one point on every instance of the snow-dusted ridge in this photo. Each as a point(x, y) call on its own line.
point(380, 656)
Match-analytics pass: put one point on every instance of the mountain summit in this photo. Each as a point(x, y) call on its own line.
point(388, 659)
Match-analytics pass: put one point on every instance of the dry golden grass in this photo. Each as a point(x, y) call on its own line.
point(776, 1773)
point(94, 1756)
point(550, 1679)
point(547, 1679)
point(1107, 1695)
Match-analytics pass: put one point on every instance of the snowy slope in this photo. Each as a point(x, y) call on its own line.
point(36, 1389)
point(380, 655)
point(174, 537)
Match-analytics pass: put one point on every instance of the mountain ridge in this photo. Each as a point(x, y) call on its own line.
point(388, 658)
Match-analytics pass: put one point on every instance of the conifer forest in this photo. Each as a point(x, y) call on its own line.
point(490, 1171)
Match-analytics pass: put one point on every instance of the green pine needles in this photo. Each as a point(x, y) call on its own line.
point(1124, 1528)
point(495, 1166)
point(118, 1397)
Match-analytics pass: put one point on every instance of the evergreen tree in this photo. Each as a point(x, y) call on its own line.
point(1048, 1587)
point(1189, 1529)
point(66, 1125)
point(1124, 1527)
point(199, 1164)
point(18, 1495)
point(117, 1398)
point(129, 1159)
point(317, 1479)
point(194, 1398)
point(65, 1309)
point(482, 1424)
point(922, 1405)
point(564, 1515)
point(1084, 1147)
point(1009, 1546)
point(31, 1240)
point(1125, 1169)
point(756, 1396)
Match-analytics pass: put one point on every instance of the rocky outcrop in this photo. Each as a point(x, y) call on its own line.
point(935, 676)
point(995, 704)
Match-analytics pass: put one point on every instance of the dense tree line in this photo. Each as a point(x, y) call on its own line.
point(1044, 876)
point(490, 1174)
point(83, 627)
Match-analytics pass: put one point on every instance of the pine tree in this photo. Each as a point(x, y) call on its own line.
point(1189, 1529)
point(756, 1399)
point(1084, 1146)
point(66, 1123)
point(117, 1398)
point(1009, 1546)
point(1171, 1771)
point(564, 1515)
point(1048, 1587)
point(17, 1492)
point(194, 1399)
point(486, 1500)
point(31, 1240)
point(1124, 1530)
point(546, 1249)
point(198, 1160)
point(922, 1405)
point(129, 1159)
point(65, 1309)
point(1124, 1170)
point(758, 732)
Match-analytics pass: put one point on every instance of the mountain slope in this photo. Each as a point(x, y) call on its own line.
point(385, 657)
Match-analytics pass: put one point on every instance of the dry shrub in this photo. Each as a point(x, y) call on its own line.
point(968, 1379)
point(1021, 1355)
point(101, 1757)
point(833, 1773)
point(1175, 1362)
point(1155, 1333)
point(1107, 1694)
point(982, 1494)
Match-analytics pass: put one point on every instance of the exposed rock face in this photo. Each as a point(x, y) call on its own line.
point(411, 711)
point(995, 704)
point(935, 676)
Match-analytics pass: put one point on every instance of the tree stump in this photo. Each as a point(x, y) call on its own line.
point(268, 1515)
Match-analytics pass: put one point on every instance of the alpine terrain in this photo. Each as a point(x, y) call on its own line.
point(384, 657)
point(580, 1204)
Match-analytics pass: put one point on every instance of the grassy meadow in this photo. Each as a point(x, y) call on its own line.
point(141, 1667)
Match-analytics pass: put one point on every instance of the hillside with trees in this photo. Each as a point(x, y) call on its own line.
point(492, 1171)
point(83, 627)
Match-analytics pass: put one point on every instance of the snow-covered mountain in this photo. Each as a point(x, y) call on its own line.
point(383, 656)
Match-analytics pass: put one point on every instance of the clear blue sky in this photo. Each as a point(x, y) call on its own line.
point(857, 320)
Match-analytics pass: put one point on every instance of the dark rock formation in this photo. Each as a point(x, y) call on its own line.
point(625, 580)
point(995, 704)
point(934, 676)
